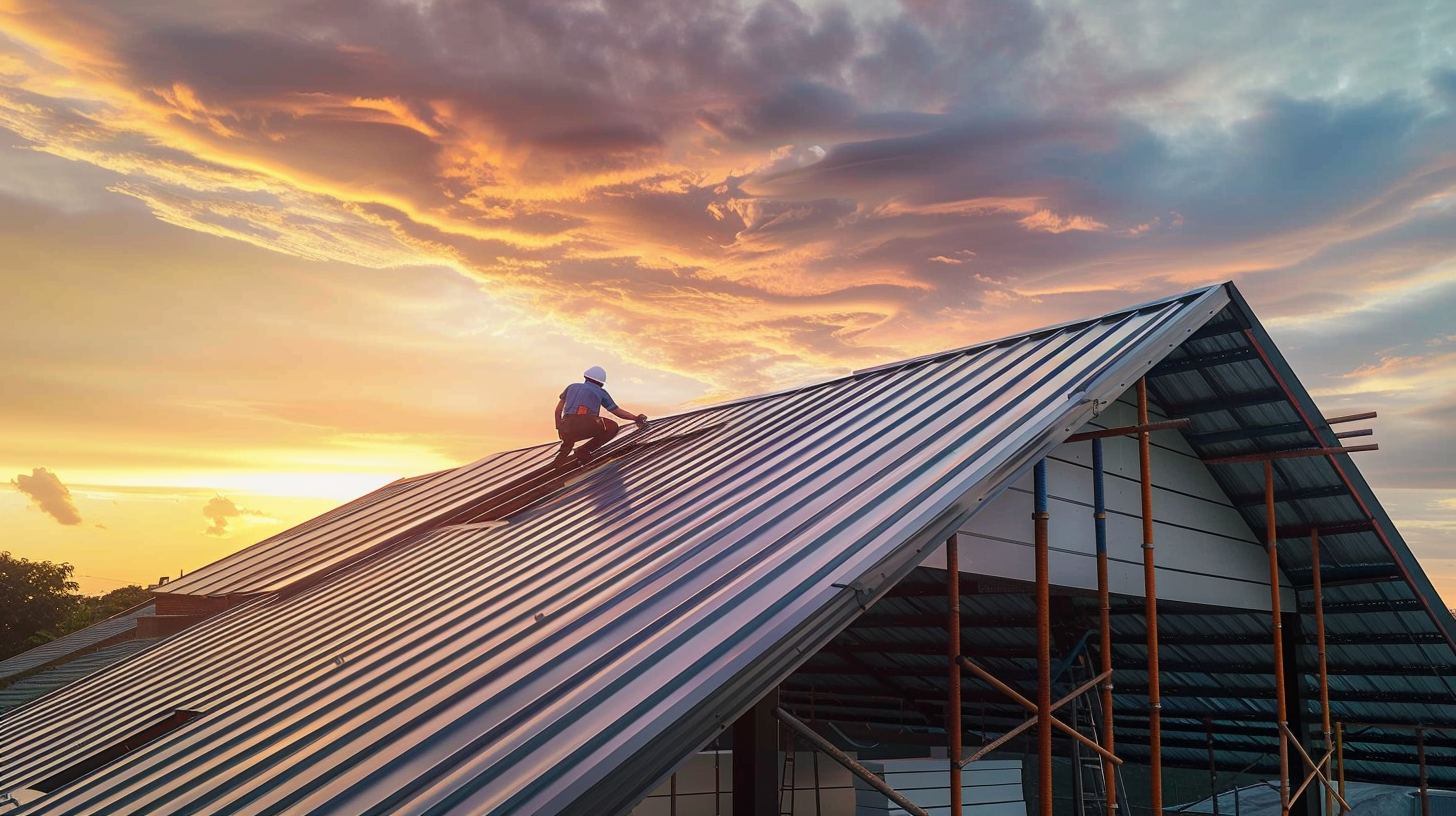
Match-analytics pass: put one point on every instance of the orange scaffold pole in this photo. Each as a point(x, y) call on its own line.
point(1150, 587)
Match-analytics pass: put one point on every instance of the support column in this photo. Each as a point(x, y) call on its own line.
point(1104, 603)
point(1327, 739)
point(1212, 765)
point(953, 650)
point(1150, 587)
point(1340, 757)
point(1421, 760)
point(1043, 645)
point(1271, 544)
point(1297, 713)
point(756, 759)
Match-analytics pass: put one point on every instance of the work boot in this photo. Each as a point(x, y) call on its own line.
point(563, 459)
point(583, 458)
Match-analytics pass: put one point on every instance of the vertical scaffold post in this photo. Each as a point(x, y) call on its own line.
point(1099, 524)
point(1212, 765)
point(1272, 545)
point(1324, 683)
point(953, 650)
point(1043, 645)
point(1340, 756)
point(1421, 760)
point(1150, 587)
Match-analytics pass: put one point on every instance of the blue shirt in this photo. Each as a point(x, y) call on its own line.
point(586, 398)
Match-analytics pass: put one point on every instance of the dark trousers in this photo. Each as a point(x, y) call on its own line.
point(598, 431)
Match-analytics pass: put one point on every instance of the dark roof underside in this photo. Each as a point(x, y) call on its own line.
point(1390, 659)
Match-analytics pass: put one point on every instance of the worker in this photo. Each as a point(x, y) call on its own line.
point(578, 417)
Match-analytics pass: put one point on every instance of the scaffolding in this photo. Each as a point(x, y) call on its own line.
point(1098, 715)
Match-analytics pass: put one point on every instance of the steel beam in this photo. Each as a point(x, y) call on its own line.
point(1227, 403)
point(1238, 434)
point(1298, 453)
point(1351, 418)
point(1212, 358)
point(1130, 430)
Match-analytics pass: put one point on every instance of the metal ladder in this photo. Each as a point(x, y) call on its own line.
point(1089, 781)
point(786, 783)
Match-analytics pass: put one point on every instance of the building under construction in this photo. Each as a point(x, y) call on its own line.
point(1066, 565)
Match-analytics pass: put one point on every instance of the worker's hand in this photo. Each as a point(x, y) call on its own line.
point(642, 421)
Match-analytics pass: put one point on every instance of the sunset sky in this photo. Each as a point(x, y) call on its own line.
point(260, 257)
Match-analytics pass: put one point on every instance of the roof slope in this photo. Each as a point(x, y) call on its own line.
point(565, 661)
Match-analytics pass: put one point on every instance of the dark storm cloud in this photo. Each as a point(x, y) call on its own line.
point(797, 109)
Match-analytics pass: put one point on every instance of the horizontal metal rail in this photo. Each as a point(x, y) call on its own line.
point(1129, 430)
point(1289, 454)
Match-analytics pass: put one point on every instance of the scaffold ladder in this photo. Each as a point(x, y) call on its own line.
point(1090, 780)
point(786, 784)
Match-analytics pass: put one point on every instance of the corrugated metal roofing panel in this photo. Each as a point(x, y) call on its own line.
point(60, 648)
point(33, 687)
point(563, 662)
point(318, 546)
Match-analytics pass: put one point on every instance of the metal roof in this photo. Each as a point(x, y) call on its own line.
point(43, 682)
point(117, 626)
point(397, 656)
point(567, 660)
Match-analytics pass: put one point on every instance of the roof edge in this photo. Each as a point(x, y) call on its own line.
point(1385, 529)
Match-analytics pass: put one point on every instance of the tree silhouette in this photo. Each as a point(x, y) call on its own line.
point(35, 599)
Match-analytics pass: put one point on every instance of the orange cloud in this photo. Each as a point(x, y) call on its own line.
point(1048, 221)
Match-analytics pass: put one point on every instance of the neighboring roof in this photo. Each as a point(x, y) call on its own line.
point(45, 681)
point(398, 657)
point(117, 626)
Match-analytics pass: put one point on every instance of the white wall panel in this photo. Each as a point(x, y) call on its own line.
point(1204, 552)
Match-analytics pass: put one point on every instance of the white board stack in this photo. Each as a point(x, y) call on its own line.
point(988, 787)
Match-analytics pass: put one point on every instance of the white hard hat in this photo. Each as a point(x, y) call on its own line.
point(596, 373)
